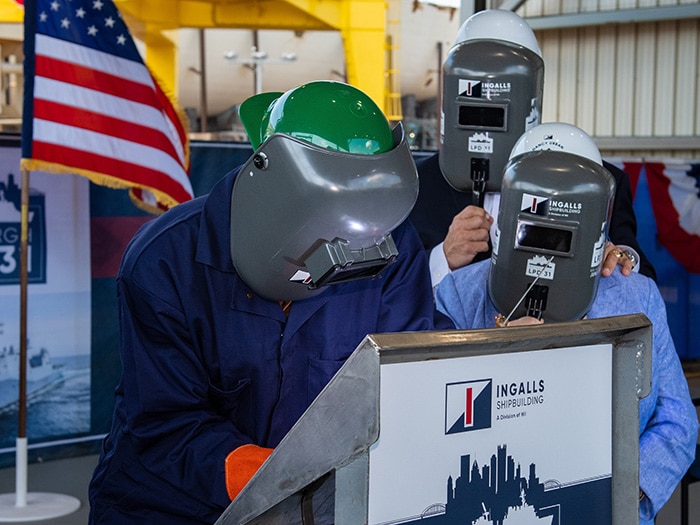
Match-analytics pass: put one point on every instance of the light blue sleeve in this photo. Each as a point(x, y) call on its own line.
point(462, 296)
point(668, 419)
point(447, 300)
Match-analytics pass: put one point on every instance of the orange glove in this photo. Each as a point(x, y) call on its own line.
point(240, 466)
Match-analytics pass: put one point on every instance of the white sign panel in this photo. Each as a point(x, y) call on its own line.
point(496, 439)
point(58, 303)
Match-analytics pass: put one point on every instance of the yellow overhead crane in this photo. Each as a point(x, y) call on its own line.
point(370, 37)
point(362, 25)
point(11, 12)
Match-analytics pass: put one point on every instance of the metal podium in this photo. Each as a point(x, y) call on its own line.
point(535, 424)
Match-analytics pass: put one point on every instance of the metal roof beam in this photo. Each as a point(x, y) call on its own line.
point(678, 143)
point(511, 5)
point(621, 16)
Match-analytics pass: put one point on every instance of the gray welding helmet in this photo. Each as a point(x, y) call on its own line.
point(556, 201)
point(493, 79)
point(316, 203)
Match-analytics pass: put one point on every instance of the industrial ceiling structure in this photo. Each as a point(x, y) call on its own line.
point(362, 25)
point(627, 72)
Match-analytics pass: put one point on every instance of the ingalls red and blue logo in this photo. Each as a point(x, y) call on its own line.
point(534, 204)
point(470, 88)
point(467, 406)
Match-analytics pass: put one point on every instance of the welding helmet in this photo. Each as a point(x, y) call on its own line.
point(556, 201)
point(493, 79)
point(316, 203)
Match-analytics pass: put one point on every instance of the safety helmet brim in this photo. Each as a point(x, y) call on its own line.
point(252, 110)
point(329, 114)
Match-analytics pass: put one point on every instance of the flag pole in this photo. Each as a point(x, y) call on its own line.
point(21, 458)
point(36, 505)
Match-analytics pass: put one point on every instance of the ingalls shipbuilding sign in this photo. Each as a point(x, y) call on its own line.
point(10, 234)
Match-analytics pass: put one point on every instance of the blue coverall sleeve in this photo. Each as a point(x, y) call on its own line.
point(178, 434)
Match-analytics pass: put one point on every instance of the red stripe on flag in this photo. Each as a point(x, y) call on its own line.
point(80, 118)
point(72, 73)
point(126, 172)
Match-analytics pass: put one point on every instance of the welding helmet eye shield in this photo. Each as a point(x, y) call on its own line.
point(552, 225)
point(303, 216)
point(492, 92)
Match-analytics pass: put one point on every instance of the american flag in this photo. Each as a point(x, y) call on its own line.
point(91, 106)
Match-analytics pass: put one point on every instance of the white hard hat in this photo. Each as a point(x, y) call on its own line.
point(557, 136)
point(498, 24)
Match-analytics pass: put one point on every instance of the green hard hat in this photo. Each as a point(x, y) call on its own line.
point(328, 114)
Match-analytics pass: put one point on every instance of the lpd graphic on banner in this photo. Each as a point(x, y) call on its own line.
point(10, 234)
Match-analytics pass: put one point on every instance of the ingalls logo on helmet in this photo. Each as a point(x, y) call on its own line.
point(535, 204)
point(468, 406)
point(469, 88)
point(564, 208)
point(478, 88)
point(493, 89)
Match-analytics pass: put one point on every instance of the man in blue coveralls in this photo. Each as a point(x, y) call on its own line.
point(237, 308)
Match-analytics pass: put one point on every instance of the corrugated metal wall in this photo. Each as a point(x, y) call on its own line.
point(633, 86)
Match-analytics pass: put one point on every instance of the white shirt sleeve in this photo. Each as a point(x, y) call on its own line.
point(492, 202)
point(438, 265)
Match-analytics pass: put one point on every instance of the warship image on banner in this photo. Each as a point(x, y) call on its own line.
point(58, 324)
point(42, 376)
point(499, 494)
